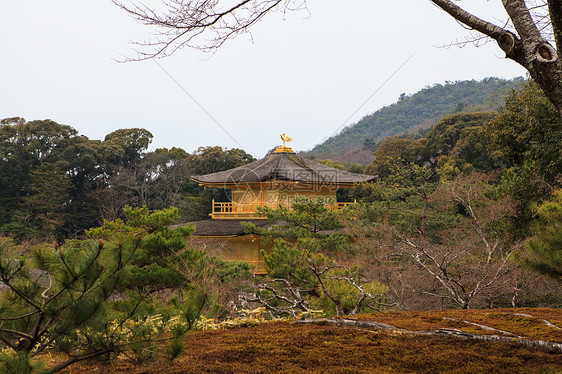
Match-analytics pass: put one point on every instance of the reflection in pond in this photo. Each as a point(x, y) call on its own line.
point(245, 248)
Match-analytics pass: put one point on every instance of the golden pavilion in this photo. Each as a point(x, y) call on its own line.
point(272, 181)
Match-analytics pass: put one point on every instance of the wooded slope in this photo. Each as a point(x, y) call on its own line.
point(417, 111)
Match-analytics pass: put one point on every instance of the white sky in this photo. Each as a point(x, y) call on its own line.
point(304, 75)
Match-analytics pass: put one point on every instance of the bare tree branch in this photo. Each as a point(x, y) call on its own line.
point(201, 24)
point(531, 47)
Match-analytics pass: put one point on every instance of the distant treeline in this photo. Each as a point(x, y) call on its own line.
point(55, 183)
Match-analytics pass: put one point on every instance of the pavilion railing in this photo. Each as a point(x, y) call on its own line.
point(233, 208)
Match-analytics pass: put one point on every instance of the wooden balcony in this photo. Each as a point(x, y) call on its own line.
point(232, 210)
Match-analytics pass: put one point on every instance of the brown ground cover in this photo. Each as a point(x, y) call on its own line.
point(283, 347)
point(527, 323)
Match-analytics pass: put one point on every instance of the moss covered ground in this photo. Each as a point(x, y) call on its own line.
point(284, 347)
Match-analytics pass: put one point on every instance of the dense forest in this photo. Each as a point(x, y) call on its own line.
point(413, 113)
point(467, 214)
point(55, 183)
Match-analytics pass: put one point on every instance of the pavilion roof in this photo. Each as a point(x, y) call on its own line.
point(224, 227)
point(283, 166)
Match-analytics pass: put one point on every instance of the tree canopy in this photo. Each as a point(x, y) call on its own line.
point(55, 183)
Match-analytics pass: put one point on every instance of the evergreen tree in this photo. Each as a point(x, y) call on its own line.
point(90, 298)
point(543, 251)
point(528, 128)
point(302, 274)
point(156, 244)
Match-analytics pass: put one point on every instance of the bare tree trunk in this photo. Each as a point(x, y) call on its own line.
point(529, 49)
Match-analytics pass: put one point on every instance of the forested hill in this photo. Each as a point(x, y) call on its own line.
point(412, 113)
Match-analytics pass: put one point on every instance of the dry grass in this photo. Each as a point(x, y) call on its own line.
point(287, 348)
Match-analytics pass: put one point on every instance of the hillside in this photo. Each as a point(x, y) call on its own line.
point(413, 113)
point(417, 342)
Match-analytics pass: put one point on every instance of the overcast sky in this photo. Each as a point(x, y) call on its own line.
point(304, 75)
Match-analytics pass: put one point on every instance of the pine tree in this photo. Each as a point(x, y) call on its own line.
point(302, 275)
point(543, 251)
point(90, 298)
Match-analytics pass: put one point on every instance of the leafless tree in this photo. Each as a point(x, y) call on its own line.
point(474, 255)
point(118, 192)
point(201, 24)
point(526, 37)
point(463, 258)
